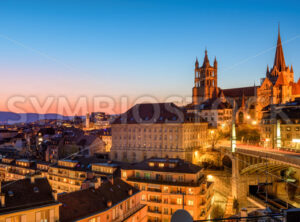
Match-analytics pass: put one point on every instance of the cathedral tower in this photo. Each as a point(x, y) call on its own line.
point(206, 77)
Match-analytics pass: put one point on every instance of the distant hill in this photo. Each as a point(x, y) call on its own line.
point(11, 118)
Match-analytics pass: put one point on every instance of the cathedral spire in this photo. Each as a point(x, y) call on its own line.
point(292, 70)
point(206, 60)
point(279, 57)
point(196, 63)
point(215, 62)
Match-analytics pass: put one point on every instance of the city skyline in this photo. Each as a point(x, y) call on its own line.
point(121, 49)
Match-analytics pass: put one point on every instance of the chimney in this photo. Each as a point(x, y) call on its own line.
point(32, 179)
point(244, 214)
point(54, 194)
point(2, 196)
point(109, 203)
point(130, 192)
point(98, 183)
point(111, 179)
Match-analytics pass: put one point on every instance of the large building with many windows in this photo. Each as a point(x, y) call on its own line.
point(168, 185)
point(157, 130)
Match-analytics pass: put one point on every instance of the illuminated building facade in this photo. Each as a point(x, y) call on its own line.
point(157, 130)
point(168, 185)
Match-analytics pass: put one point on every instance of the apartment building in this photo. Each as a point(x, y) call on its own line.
point(16, 169)
point(69, 175)
point(113, 201)
point(280, 124)
point(168, 185)
point(157, 130)
point(28, 200)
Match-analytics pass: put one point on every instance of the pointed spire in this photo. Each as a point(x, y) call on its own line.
point(292, 70)
point(196, 63)
point(206, 60)
point(215, 62)
point(268, 69)
point(279, 61)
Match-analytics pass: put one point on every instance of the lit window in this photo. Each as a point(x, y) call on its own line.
point(151, 164)
point(124, 174)
point(143, 197)
point(190, 202)
point(179, 201)
point(161, 165)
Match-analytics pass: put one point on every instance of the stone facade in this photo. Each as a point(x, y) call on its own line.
point(134, 141)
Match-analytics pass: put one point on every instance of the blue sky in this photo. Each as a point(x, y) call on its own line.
point(139, 47)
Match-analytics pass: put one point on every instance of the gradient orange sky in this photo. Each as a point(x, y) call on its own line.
point(131, 49)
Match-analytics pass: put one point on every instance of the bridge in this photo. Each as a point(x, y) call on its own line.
point(252, 165)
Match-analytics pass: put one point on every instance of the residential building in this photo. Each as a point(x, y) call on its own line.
point(16, 169)
point(69, 175)
point(28, 200)
point(168, 185)
point(157, 130)
point(114, 201)
point(281, 123)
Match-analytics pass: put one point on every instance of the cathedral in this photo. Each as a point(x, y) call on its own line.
point(276, 87)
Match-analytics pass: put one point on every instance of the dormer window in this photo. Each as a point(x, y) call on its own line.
point(161, 165)
point(151, 164)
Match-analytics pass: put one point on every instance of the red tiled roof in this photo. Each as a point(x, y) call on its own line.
point(238, 92)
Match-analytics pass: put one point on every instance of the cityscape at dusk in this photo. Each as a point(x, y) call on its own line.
point(149, 111)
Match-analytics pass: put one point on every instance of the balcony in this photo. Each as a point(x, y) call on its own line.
point(154, 200)
point(154, 211)
point(154, 190)
point(129, 213)
point(166, 182)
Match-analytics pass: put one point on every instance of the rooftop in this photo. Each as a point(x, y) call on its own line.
point(149, 113)
point(87, 202)
point(22, 194)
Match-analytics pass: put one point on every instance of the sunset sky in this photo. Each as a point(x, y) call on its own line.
point(84, 49)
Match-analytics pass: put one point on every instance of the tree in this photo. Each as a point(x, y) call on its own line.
point(248, 133)
point(217, 212)
point(235, 205)
point(216, 135)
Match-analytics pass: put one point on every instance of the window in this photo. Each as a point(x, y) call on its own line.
point(137, 174)
point(181, 178)
point(190, 203)
point(169, 177)
point(179, 201)
point(166, 210)
point(124, 174)
point(143, 197)
point(147, 175)
point(161, 164)
point(166, 189)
